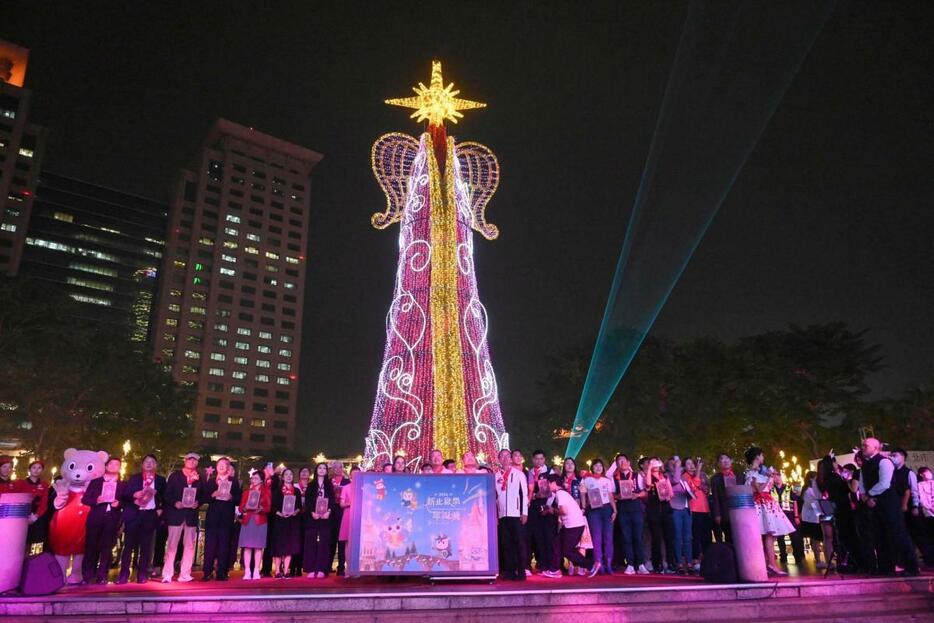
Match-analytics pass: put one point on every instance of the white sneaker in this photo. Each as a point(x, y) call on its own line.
point(594, 570)
point(247, 575)
point(528, 573)
point(571, 569)
point(647, 566)
point(642, 570)
point(166, 580)
point(551, 574)
point(629, 570)
point(311, 575)
point(187, 578)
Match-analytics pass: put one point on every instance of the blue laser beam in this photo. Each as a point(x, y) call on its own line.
point(733, 65)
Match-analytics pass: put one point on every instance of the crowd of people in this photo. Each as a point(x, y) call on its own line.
point(630, 517)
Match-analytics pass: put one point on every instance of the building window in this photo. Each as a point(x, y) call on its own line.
point(285, 352)
point(229, 258)
point(265, 335)
point(262, 378)
point(241, 361)
point(244, 331)
point(262, 348)
point(258, 423)
point(220, 326)
point(262, 363)
point(228, 272)
point(230, 231)
point(242, 345)
point(192, 354)
point(285, 338)
point(285, 367)
point(172, 322)
point(252, 237)
point(216, 371)
point(238, 374)
point(201, 311)
point(209, 434)
point(283, 380)
point(237, 389)
point(220, 357)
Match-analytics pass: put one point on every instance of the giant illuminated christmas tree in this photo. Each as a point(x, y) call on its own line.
point(436, 388)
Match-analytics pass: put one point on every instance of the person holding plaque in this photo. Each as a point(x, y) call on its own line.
point(319, 504)
point(287, 529)
point(601, 513)
point(38, 530)
point(142, 504)
point(658, 515)
point(221, 493)
point(103, 495)
point(181, 516)
point(255, 504)
point(630, 513)
point(339, 480)
point(301, 487)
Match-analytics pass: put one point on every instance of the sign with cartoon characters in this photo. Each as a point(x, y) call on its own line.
point(423, 524)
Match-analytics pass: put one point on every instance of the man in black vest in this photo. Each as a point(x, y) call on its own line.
point(142, 505)
point(878, 494)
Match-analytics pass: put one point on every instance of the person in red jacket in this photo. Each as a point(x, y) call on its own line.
point(38, 516)
point(255, 504)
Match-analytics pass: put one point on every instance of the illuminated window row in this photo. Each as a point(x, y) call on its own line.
point(87, 283)
point(83, 298)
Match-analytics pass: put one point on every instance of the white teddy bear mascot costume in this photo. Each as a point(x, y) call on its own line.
point(67, 530)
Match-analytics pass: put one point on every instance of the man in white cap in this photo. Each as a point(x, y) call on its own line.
point(181, 516)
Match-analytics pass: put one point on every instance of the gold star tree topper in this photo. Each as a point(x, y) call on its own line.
point(436, 102)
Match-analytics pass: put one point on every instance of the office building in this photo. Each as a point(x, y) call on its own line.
point(21, 146)
point(229, 316)
point(101, 246)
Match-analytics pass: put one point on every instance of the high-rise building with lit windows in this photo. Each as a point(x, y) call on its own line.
point(21, 146)
point(101, 246)
point(229, 315)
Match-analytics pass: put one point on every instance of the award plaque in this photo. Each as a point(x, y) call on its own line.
point(597, 497)
point(321, 506)
point(189, 497)
point(146, 494)
point(108, 492)
point(663, 487)
point(223, 489)
point(252, 501)
point(627, 489)
point(288, 505)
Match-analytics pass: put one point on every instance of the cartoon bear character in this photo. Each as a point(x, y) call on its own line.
point(442, 545)
point(409, 500)
point(394, 536)
point(67, 528)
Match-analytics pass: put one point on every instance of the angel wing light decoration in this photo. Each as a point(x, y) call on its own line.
point(436, 388)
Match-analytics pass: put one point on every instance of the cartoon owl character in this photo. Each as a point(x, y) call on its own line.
point(442, 545)
point(394, 536)
point(409, 500)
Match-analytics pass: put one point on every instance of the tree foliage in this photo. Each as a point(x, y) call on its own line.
point(802, 389)
point(69, 381)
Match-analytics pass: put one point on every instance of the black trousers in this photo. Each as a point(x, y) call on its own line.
point(137, 541)
point(796, 539)
point(541, 532)
point(217, 548)
point(511, 534)
point(100, 538)
point(893, 544)
point(317, 546)
point(662, 531)
point(569, 538)
point(337, 547)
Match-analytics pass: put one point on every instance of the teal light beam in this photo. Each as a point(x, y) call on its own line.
point(733, 65)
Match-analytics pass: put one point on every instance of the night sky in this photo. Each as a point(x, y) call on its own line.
point(831, 219)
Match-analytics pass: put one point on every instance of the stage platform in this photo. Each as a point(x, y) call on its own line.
point(616, 599)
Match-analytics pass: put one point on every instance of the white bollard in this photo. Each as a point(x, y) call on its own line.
point(747, 534)
point(14, 521)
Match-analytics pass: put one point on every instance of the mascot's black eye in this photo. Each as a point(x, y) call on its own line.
point(71, 466)
point(90, 468)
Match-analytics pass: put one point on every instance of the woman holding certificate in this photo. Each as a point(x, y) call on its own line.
point(597, 494)
point(319, 502)
point(287, 529)
point(255, 504)
point(221, 494)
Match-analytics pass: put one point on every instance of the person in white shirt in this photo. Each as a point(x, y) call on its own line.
point(512, 506)
point(597, 496)
point(572, 527)
point(926, 504)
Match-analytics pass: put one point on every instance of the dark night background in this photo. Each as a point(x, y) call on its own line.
point(831, 219)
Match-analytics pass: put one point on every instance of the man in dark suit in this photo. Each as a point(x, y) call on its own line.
point(719, 509)
point(142, 505)
point(103, 523)
point(219, 520)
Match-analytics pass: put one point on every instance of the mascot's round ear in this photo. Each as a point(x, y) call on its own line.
point(69, 453)
point(104, 456)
